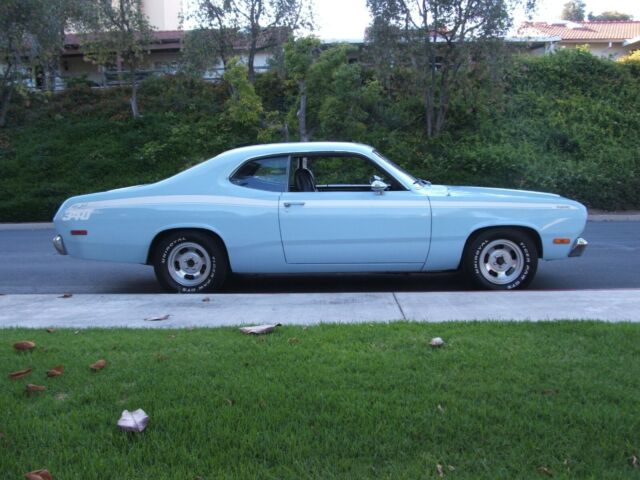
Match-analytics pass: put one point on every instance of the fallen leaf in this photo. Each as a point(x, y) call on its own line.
point(51, 330)
point(38, 475)
point(135, 421)
point(546, 471)
point(26, 345)
point(206, 299)
point(157, 319)
point(35, 388)
point(440, 470)
point(76, 332)
point(172, 336)
point(20, 373)
point(66, 295)
point(436, 342)
point(293, 340)
point(162, 358)
point(259, 329)
point(549, 391)
point(56, 371)
point(634, 462)
point(440, 408)
point(230, 402)
point(451, 468)
point(99, 365)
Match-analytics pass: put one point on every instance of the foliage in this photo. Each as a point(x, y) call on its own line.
point(254, 23)
point(611, 15)
point(371, 401)
point(117, 31)
point(31, 36)
point(565, 123)
point(437, 42)
point(574, 11)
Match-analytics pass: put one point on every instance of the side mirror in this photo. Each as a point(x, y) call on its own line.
point(377, 185)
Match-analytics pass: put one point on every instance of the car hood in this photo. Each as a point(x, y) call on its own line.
point(483, 192)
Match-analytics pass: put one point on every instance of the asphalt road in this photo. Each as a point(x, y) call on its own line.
point(28, 264)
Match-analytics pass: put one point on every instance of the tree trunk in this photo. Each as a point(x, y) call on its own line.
point(133, 71)
point(4, 104)
point(302, 111)
point(251, 75)
point(134, 98)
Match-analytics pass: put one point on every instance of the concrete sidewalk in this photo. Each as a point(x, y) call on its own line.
point(130, 311)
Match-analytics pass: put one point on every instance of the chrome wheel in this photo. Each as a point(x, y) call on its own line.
point(501, 261)
point(189, 264)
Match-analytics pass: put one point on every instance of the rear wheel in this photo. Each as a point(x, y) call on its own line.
point(501, 259)
point(190, 262)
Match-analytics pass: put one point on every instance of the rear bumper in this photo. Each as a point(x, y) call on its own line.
point(58, 243)
point(578, 248)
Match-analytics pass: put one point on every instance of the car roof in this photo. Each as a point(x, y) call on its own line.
point(297, 147)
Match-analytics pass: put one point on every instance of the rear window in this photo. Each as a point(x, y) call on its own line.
point(268, 174)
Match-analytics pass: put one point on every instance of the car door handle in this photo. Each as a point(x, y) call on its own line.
point(290, 204)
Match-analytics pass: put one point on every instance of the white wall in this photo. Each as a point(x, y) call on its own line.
point(163, 14)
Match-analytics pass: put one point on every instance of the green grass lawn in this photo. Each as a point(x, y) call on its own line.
point(499, 400)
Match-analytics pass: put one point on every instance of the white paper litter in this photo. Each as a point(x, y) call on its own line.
point(133, 421)
point(436, 342)
point(260, 329)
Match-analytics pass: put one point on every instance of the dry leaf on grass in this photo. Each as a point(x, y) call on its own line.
point(35, 388)
point(66, 295)
point(25, 345)
point(259, 329)
point(440, 470)
point(38, 475)
point(436, 342)
point(549, 391)
point(56, 371)
point(440, 408)
point(634, 462)
point(157, 319)
point(546, 471)
point(294, 340)
point(20, 373)
point(99, 365)
point(51, 330)
point(135, 421)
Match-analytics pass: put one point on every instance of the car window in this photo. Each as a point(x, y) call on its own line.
point(341, 172)
point(264, 174)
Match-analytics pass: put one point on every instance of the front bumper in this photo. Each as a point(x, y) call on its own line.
point(578, 248)
point(58, 243)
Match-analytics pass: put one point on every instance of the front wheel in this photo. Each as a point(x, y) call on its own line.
point(501, 259)
point(190, 262)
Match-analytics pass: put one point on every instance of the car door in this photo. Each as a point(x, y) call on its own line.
point(343, 221)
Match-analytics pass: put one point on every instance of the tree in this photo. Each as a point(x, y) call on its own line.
point(31, 35)
point(217, 34)
point(118, 32)
point(610, 15)
point(299, 56)
point(257, 20)
point(435, 43)
point(574, 11)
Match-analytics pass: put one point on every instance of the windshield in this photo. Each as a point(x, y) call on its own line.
point(399, 171)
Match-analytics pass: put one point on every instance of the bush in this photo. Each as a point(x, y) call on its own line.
point(566, 123)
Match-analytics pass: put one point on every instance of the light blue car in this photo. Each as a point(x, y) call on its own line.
point(318, 207)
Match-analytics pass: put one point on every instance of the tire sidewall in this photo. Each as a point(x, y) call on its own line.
point(212, 282)
point(527, 248)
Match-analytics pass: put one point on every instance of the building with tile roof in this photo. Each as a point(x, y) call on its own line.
point(608, 39)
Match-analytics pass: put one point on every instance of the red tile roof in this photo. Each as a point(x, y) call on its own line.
point(595, 31)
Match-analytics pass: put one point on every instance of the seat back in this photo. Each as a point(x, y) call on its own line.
point(305, 181)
